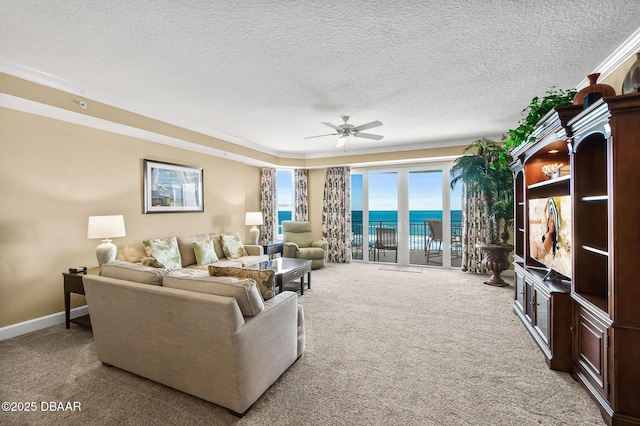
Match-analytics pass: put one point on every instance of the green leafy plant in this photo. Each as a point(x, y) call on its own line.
point(537, 108)
point(481, 171)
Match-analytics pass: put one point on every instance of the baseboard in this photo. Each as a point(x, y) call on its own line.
point(39, 323)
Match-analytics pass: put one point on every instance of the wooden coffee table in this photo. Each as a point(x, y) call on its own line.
point(288, 270)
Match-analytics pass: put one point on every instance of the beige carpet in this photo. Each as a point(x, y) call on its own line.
point(395, 268)
point(383, 348)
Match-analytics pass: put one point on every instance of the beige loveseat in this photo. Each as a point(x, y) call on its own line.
point(212, 337)
point(135, 252)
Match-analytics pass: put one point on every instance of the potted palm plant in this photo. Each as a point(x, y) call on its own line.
point(483, 173)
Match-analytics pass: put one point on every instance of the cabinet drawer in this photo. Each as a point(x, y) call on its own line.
point(293, 275)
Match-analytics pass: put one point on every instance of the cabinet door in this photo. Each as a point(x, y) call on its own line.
point(590, 350)
point(541, 318)
point(520, 291)
point(528, 299)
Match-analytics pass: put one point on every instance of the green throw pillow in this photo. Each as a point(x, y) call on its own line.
point(233, 246)
point(265, 278)
point(165, 252)
point(205, 253)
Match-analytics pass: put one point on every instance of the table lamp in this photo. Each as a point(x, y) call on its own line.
point(106, 227)
point(253, 219)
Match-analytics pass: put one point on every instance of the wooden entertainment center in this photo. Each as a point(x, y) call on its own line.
point(587, 322)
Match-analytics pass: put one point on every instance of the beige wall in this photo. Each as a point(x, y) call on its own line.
point(54, 175)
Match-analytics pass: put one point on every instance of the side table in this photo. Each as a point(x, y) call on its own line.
point(272, 247)
point(73, 284)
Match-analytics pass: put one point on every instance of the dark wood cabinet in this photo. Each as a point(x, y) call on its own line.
point(542, 303)
point(605, 290)
point(545, 309)
point(589, 324)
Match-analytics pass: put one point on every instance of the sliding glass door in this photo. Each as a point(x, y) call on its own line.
point(383, 216)
point(405, 216)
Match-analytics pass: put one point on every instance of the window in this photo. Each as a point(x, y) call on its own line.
point(284, 197)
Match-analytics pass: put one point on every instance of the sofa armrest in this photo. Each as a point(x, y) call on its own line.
point(324, 245)
point(290, 249)
point(254, 250)
point(266, 345)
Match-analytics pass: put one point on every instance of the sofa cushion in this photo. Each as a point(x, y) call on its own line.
point(132, 252)
point(165, 251)
point(246, 261)
point(264, 277)
point(136, 272)
point(185, 245)
point(217, 245)
point(233, 246)
point(245, 291)
point(205, 253)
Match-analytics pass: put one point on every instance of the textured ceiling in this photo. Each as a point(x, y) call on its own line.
point(266, 73)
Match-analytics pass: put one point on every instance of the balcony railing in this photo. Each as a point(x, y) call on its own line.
point(418, 237)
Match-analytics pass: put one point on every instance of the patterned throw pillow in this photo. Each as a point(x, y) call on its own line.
point(232, 246)
point(265, 278)
point(205, 254)
point(165, 252)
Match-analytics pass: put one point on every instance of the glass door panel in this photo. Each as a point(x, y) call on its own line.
point(383, 217)
point(426, 243)
point(358, 249)
point(455, 203)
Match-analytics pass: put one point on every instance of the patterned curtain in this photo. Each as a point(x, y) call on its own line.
point(300, 196)
point(473, 231)
point(336, 214)
point(269, 204)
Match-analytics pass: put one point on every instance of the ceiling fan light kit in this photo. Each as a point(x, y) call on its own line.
point(345, 130)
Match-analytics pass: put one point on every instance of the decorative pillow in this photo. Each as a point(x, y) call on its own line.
point(150, 261)
point(165, 251)
point(264, 277)
point(185, 245)
point(205, 254)
point(232, 246)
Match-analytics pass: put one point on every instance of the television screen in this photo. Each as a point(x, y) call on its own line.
point(550, 232)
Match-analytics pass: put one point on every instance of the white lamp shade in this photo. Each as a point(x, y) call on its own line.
point(253, 218)
point(105, 227)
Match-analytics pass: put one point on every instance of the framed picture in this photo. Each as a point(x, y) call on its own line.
point(172, 188)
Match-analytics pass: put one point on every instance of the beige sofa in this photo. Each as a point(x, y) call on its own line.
point(135, 252)
point(211, 337)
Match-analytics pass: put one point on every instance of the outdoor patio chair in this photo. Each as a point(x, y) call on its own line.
point(386, 239)
point(434, 240)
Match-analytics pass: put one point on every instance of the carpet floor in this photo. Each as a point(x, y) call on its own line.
point(384, 347)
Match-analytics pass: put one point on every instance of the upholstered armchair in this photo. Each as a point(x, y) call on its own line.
point(299, 244)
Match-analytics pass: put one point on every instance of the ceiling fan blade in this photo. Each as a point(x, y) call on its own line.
point(368, 136)
point(368, 126)
point(332, 126)
point(319, 136)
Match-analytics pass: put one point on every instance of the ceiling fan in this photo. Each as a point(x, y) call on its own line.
point(345, 130)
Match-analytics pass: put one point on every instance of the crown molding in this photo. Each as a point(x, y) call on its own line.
point(54, 82)
point(623, 53)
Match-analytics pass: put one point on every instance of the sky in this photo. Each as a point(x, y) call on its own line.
point(425, 191)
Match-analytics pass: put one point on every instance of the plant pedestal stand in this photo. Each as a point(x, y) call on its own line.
point(496, 259)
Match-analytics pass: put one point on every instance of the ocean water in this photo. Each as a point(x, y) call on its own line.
point(389, 217)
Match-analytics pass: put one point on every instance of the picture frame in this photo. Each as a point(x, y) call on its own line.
point(172, 188)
